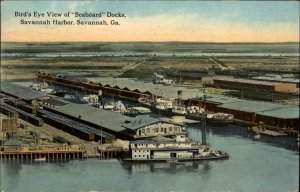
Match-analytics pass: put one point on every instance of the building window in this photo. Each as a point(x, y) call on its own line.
point(148, 130)
point(170, 129)
point(156, 130)
point(161, 129)
point(143, 130)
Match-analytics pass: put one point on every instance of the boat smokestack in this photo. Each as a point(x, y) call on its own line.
point(179, 97)
point(204, 116)
point(204, 129)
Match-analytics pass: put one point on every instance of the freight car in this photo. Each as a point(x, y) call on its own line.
point(23, 115)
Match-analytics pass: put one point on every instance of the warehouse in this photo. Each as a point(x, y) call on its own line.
point(148, 87)
point(239, 84)
point(286, 117)
point(196, 76)
point(277, 115)
point(111, 122)
point(25, 94)
point(277, 78)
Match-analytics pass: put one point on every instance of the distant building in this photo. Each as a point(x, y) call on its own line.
point(159, 79)
point(239, 84)
point(203, 77)
point(278, 78)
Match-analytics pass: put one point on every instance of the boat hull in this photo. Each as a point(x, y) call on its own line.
point(225, 156)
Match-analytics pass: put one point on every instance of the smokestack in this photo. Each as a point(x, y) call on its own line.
point(204, 130)
point(179, 99)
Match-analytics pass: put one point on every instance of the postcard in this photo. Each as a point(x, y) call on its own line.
point(149, 96)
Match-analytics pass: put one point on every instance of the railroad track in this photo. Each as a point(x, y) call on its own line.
point(56, 132)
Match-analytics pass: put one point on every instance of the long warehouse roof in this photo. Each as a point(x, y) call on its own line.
point(264, 108)
point(283, 113)
point(21, 91)
point(249, 81)
point(259, 107)
point(157, 89)
point(107, 119)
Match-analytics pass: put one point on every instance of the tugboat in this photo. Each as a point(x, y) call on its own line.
point(219, 118)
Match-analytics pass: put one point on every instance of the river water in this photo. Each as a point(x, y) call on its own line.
point(261, 165)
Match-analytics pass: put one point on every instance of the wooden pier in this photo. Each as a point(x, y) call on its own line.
point(112, 153)
point(31, 155)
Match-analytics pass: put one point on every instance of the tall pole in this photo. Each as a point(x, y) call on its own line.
point(204, 124)
point(101, 133)
point(204, 130)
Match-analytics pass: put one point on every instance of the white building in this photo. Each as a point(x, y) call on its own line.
point(145, 126)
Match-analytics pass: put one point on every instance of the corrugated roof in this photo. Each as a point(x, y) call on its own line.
point(166, 91)
point(108, 119)
point(20, 91)
point(283, 113)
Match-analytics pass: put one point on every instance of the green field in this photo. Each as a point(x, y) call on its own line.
point(289, 47)
point(143, 66)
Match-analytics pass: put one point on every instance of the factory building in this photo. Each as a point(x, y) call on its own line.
point(239, 84)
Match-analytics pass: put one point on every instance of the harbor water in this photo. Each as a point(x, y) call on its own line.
point(255, 165)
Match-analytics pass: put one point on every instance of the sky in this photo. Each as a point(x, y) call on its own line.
point(158, 21)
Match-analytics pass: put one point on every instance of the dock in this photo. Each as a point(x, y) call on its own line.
point(272, 133)
point(31, 155)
